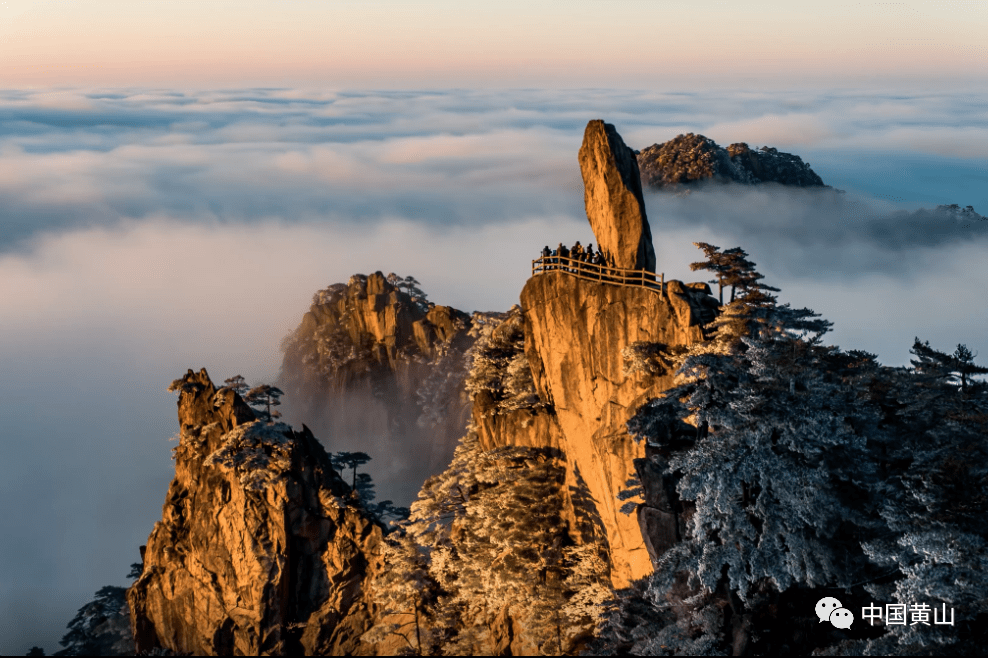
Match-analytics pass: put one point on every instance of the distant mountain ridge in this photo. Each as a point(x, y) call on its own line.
point(693, 158)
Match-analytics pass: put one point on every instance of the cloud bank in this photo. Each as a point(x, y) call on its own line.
point(143, 232)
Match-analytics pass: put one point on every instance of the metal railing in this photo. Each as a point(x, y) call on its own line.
point(617, 276)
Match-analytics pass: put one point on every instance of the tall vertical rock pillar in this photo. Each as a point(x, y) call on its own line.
point(613, 197)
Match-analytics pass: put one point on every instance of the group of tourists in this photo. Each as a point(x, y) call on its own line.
point(552, 258)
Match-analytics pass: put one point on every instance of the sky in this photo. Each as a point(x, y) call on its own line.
point(443, 43)
point(177, 180)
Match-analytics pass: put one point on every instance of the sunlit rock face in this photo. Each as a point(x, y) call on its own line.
point(575, 333)
point(612, 192)
point(257, 551)
point(690, 158)
point(365, 325)
point(376, 369)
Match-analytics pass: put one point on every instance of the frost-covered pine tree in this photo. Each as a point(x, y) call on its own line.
point(779, 486)
point(499, 370)
point(407, 594)
point(935, 503)
point(441, 394)
point(498, 546)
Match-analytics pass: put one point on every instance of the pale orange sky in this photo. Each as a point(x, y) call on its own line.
point(442, 43)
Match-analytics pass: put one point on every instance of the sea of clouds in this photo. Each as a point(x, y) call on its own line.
point(143, 232)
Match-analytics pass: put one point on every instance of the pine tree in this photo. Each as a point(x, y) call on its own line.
point(265, 396)
point(411, 287)
point(732, 268)
point(405, 589)
point(779, 484)
point(935, 503)
point(937, 366)
point(492, 526)
point(499, 369)
point(101, 627)
point(351, 460)
point(238, 385)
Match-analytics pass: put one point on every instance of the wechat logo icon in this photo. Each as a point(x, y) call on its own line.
point(830, 609)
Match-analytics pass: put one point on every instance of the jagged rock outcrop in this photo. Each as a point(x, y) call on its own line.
point(369, 325)
point(258, 550)
point(613, 198)
point(375, 367)
point(694, 158)
point(575, 331)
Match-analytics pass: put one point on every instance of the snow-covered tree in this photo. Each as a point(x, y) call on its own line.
point(101, 627)
point(493, 528)
point(407, 594)
point(499, 370)
point(779, 484)
point(935, 503)
point(441, 393)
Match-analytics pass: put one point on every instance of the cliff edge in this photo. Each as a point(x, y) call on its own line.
point(258, 550)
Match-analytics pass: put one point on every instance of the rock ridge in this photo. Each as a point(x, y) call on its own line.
point(258, 550)
point(693, 158)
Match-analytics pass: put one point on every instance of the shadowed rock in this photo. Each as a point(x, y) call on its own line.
point(613, 198)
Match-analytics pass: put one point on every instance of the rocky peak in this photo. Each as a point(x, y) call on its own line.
point(692, 158)
point(367, 327)
point(613, 198)
point(260, 549)
point(375, 367)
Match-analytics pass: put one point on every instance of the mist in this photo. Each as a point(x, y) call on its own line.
point(144, 232)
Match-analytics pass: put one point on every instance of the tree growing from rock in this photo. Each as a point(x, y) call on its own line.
point(264, 397)
point(499, 551)
point(781, 484)
point(411, 287)
point(238, 385)
point(957, 368)
point(351, 460)
point(499, 370)
point(407, 594)
point(101, 627)
point(732, 268)
point(819, 469)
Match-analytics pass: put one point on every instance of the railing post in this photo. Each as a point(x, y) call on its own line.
point(662, 285)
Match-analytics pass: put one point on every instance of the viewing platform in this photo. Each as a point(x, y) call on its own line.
point(581, 269)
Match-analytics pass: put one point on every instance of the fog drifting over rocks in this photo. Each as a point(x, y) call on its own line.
point(143, 232)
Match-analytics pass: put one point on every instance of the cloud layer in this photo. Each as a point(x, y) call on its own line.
point(143, 232)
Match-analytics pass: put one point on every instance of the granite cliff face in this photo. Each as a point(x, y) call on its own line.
point(575, 333)
point(693, 158)
point(258, 550)
point(375, 367)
